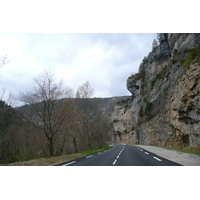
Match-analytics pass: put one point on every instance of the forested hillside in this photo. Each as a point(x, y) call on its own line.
point(53, 121)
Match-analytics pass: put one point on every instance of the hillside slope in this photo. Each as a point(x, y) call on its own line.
point(106, 104)
point(165, 104)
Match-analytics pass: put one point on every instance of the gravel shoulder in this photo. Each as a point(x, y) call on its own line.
point(186, 159)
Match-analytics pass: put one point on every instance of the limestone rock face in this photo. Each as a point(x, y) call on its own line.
point(165, 104)
point(185, 104)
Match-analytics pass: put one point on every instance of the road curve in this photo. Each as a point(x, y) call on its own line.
point(121, 155)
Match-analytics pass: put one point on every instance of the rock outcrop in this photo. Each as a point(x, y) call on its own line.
point(164, 108)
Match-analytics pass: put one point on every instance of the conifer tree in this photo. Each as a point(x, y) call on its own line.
point(159, 37)
point(154, 44)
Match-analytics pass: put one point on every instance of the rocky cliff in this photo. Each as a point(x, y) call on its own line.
point(164, 108)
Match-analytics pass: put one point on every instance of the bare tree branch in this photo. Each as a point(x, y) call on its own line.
point(46, 112)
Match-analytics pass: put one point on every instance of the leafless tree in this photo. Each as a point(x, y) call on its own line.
point(45, 111)
point(84, 93)
point(74, 128)
point(100, 130)
point(93, 122)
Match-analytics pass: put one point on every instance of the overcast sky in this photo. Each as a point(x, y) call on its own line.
point(105, 60)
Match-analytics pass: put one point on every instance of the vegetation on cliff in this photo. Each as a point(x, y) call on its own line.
point(165, 109)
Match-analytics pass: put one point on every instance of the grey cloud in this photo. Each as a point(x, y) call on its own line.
point(120, 55)
point(133, 46)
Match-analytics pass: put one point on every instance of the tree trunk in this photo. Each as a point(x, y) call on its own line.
point(75, 145)
point(88, 138)
point(51, 147)
point(88, 135)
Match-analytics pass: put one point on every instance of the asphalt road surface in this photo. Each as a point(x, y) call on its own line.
point(121, 155)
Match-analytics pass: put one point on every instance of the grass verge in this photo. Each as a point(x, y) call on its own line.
point(104, 147)
point(56, 159)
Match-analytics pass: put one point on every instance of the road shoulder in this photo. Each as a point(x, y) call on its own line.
point(185, 159)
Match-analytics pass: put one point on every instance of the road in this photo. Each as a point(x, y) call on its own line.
point(121, 155)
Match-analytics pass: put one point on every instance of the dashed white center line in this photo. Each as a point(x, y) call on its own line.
point(141, 150)
point(118, 155)
point(115, 161)
point(157, 158)
point(69, 163)
point(146, 153)
point(89, 156)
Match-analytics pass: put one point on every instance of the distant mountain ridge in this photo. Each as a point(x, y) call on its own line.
point(107, 103)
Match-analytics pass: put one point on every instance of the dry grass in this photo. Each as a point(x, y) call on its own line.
point(47, 161)
point(57, 159)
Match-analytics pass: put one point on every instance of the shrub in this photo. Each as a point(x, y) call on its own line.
point(148, 108)
point(142, 92)
point(138, 77)
point(159, 75)
point(190, 58)
point(145, 99)
point(153, 82)
point(173, 61)
point(141, 113)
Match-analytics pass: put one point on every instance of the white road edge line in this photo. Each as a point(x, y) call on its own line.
point(99, 153)
point(157, 158)
point(89, 156)
point(69, 163)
